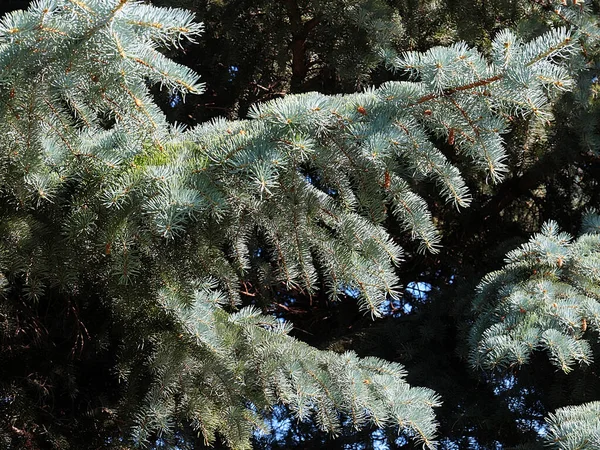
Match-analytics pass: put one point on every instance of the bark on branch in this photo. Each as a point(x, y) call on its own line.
point(300, 32)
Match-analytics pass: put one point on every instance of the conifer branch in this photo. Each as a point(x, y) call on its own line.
point(450, 91)
point(166, 224)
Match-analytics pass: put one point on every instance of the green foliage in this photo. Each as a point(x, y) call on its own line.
point(575, 427)
point(546, 297)
point(221, 372)
point(311, 174)
point(153, 230)
point(298, 45)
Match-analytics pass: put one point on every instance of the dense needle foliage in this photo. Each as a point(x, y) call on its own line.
point(150, 272)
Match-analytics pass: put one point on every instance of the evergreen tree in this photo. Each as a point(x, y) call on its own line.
point(546, 298)
point(255, 51)
point(259, 50)
point(136, 255)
